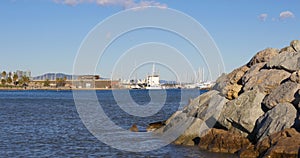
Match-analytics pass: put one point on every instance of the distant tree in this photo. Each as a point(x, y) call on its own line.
point(60, 82)
point(9, 80)
point(3, 81)
point(20, 82)
point(25, 79)
point(3, 74)
point(15, 78)
point(47, 83)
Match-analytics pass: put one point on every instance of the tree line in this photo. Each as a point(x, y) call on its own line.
point(24, 80)
point(15, 80)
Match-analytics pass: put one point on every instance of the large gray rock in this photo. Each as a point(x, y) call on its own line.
point(263, 56)
point(200, 115)
point(289, 61)
point(284, 93)
point(282, 116)
point(266, 80)
point(296, 45)
point(242, 112)
point(197, 105)
point(229, 85)
point(213, 110)
point(192, 132)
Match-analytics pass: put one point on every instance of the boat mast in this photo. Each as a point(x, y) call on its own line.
point(203, 74)
point(153, 69)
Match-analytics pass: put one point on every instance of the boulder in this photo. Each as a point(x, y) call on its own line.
point(242, 112)
point(194, 120)
point(266, 80)
point(134, 128)
point(189, 135)
point(295, 77)
point(199, 104)
point(282, 116)
point(248, 152)
point(175, 120)
point(263, 56)
point(254, 70)
point(296, 45)
point(232, 91)
point(287, 49)
point(218, 140)
point(283, 93)
point(228, 84)
point(285, 143)
point(289, 61)
point(190, 111)
point(212, 111)
point(155, 125)
point(237, 74)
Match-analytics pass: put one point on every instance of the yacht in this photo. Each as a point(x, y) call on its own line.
point(153, 80)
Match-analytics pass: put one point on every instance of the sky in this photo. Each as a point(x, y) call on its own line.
point(45, 35)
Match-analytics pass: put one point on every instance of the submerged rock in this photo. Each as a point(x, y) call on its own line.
point(134, 128)
point(155, 125)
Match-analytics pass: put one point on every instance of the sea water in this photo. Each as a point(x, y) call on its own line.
point(37, 123)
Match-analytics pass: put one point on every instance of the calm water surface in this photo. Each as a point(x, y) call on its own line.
point(46, 124)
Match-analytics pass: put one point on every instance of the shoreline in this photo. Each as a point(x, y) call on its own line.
point(76, 89)
point(53, 89)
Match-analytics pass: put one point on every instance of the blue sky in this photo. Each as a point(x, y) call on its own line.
point(44, 35)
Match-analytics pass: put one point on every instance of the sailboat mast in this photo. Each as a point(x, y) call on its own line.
point(153, 69)
point(202, 74)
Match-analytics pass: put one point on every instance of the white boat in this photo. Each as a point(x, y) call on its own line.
point(205, 85)
point(153, 87)
point(153, 80)
point(135, 87)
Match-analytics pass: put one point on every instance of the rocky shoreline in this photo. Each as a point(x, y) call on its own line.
point(253, 111)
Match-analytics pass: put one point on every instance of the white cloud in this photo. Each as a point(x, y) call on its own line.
point(286, 15)
point(67, 2)
point(123, 3)
point(263, 17)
